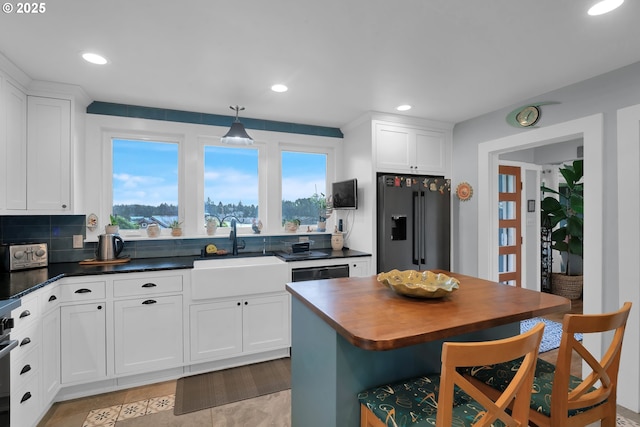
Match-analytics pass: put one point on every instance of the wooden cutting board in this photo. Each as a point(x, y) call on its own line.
point(94, 261)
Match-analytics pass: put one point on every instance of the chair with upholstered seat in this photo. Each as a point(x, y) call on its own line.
point(560, 399)
point(448, 399)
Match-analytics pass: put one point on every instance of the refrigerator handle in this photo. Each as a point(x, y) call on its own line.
point(415, 240)
point(421, 229)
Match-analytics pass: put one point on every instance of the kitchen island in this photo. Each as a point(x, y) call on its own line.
point(351, 334)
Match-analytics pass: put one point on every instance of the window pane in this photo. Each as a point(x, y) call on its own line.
point(231, 185)
point(304, 181)
point(145, 183)
point(506, 210)
point(506, 183)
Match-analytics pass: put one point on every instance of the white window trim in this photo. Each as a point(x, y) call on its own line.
point(108, 136)
point(275, 197)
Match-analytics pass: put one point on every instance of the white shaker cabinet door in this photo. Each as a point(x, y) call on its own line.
point(51, 355)
point(48, 154)
point(15, 102)
point(266, 323)
point(83, 342)
point(148, 334)
point(216, 329)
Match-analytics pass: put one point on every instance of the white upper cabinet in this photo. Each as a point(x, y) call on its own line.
point(407, 149)
point(49, 154)
point(14, 141)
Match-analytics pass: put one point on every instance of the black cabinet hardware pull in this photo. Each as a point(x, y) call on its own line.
point(25, 369)
point(83, 291)
point(25, 314)
point(149, 285)
point(26, 397)
point(53, 298)
point(238, 303)
point(246, 303)
point(25, 341)
point(149, 301)
point(99, 307)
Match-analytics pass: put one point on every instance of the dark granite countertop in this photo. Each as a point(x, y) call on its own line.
point(19, 283)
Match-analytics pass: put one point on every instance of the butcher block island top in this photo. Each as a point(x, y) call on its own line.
point(373, 317)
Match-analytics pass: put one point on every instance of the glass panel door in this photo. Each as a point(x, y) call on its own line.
point(509, 235)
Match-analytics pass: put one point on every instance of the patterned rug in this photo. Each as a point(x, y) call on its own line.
point(625, 422)
point(552, 332)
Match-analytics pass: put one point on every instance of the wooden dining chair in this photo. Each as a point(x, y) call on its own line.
point(560, 399)
point(448, 399)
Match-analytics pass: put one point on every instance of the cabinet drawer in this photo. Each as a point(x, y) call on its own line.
point(28, 339)
point(49, 298)
point(146, 286)
point(22, 370)
point(25, 403)
point(26, 314)
point(82, 291)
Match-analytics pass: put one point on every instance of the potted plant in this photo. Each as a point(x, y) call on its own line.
point(567, 213)
point(291, 225)
point(176, 228)
point(211, 226)
point(320, 202)
point(112, 227)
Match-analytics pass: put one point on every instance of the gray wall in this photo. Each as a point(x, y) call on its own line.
point(602, 94)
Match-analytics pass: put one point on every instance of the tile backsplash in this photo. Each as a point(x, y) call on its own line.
point(58, 231)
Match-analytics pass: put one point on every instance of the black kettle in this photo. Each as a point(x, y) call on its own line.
point(109, 247)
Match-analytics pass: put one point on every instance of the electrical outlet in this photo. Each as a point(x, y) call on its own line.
point(78, 242)
point(303, 239)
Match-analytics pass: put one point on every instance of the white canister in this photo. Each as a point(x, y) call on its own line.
point(337, 241)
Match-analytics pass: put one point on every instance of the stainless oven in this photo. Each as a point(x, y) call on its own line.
point(6, 345)
point(319, 273)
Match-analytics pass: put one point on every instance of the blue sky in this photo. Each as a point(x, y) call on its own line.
point(147, 173)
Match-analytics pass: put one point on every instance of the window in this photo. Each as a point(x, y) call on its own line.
point(231, 185)
point(304, 183)
point(144, 183)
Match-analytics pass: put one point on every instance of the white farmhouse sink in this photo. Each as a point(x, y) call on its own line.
point(229, 277)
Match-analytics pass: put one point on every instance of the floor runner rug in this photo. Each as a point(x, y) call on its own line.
point(552, 332)
point(217, 388)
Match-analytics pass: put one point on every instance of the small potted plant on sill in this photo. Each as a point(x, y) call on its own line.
point(291, 225)
point(567, 238)
point(112, 227)
point(211, 226)
point(176, 228)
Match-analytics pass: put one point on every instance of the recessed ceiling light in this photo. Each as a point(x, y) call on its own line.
point(94, 58)
point(604, 6)
point(404, 107)
point(279, 88)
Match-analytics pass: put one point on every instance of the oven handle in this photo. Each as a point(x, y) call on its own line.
point(7, 347)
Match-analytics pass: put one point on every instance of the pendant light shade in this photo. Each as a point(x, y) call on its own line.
point(237, 135)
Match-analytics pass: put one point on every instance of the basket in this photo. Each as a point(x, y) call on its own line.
point(566, 286)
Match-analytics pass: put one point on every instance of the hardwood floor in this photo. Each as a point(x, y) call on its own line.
point(552, 355)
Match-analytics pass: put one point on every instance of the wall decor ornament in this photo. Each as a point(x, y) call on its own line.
point(464, 191)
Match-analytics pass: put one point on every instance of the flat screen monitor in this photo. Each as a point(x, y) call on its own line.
point(345, 194)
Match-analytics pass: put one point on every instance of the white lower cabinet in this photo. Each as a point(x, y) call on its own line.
point(243, 325)
point(265, 323)
point(83, 342)
point(215, 329)
point(51, 355)
point(148, 334)
point(359, 268)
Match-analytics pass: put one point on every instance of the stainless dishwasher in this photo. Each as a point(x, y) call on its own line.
point(319, 273)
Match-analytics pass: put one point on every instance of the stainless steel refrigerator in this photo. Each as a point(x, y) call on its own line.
point(414, 216)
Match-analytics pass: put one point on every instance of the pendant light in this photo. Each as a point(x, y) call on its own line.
point(237, 135)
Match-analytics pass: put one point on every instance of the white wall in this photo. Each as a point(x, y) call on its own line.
point(602, 94)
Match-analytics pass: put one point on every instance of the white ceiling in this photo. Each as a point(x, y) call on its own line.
point(451, 59)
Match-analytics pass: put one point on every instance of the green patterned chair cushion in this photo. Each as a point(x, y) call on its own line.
point(499, 376)
point(413, 402)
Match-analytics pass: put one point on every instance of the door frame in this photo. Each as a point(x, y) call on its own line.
point(590, 129)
